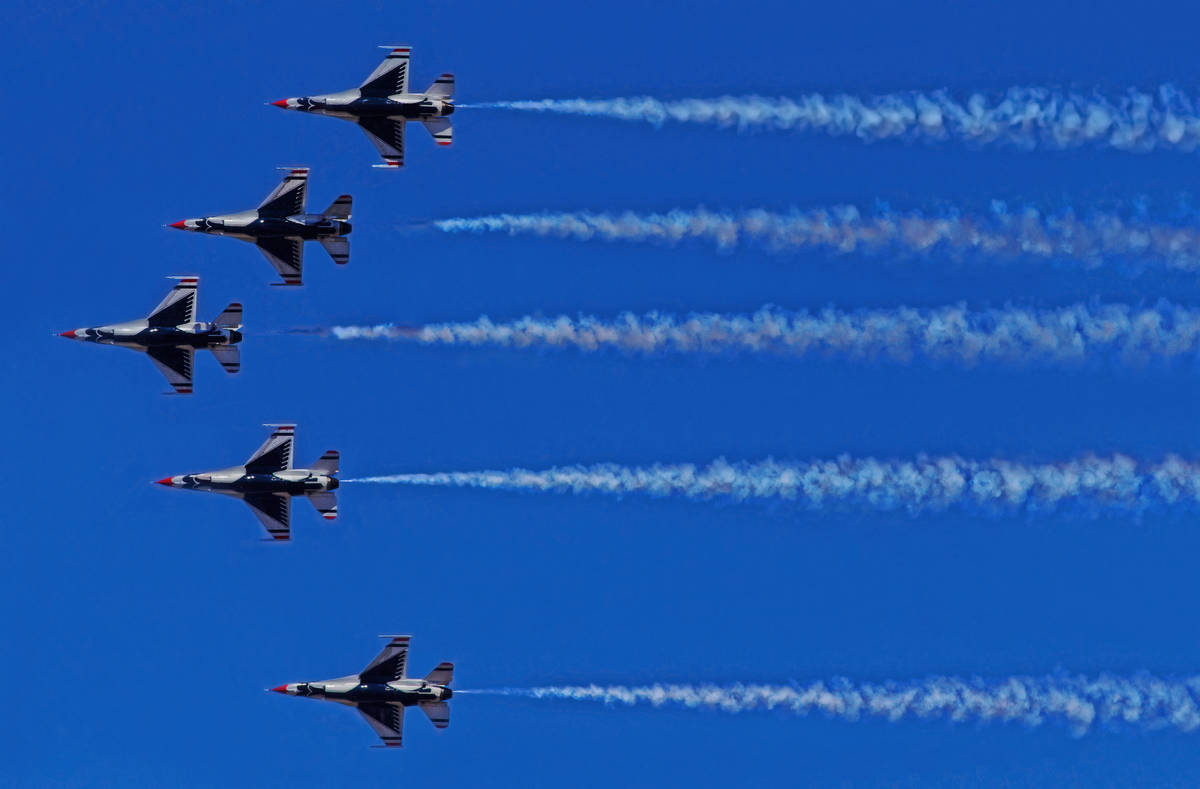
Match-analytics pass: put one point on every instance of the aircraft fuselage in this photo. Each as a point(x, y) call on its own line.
point(352, 105)
point(293, 482)
point(139, 335)
point(351, 690)
point(249, 225)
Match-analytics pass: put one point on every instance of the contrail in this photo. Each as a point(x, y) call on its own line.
point(1025, 118)
point(951, 334)
point(1140, 701)
point(1002, 234)
point(921, 484)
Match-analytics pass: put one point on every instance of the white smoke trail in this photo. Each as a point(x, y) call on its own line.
point(1003, 235)
point(953, 334)
point(923, 484)
point(1142, 701)
point(1025, 118)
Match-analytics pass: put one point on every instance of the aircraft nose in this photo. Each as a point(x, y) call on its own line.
point(280, 689)
point(280, 103)
point(70, 334)
point(168, 481)
point(180, 225)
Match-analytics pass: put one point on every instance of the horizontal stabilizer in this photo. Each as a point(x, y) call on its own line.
point(442, 675)
point(231, 318)
point(442, 87)
point(328, 463)
point(230, 357)
point(340, 208)
point(338, 248)
point(442, 131)
point(438, 712)
point(325, 503)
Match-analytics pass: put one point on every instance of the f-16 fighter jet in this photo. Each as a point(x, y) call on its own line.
point(279, 226)
point(170, 335)
point(267, 482)
point(381, 691)
point(383, 104)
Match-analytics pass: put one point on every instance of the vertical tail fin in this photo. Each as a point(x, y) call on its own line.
point(230, 357)
point(231, 318)
point(442, 87)
point(328, 463)
point(443, 674)
point(340, 208)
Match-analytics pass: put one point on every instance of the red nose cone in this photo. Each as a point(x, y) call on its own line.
point(280, 103)
point(164, 481)
point(181, 224)
point(70, 334)
point(280, 689)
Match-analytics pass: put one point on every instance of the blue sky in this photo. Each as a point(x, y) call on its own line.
point(142, 624)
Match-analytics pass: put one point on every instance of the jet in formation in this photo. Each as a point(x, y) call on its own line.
point(382, 105)
point(279, 226)
point(170, 335)
point(267, 482)
point(382, 691)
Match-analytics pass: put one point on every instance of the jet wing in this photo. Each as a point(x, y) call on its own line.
point(288, 197)
point(286, 255)
point(388, 665)
point(390, 76)
point(273, 510)
point(387, 135)
point(387, 719)
point(178, 307)
point(276, 452)
point(174, 362)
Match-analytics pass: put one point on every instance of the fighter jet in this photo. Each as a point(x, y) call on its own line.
point(279, 226)
point(382, 105)
point(267, 482)
point(381, 691)
point(170, 335)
